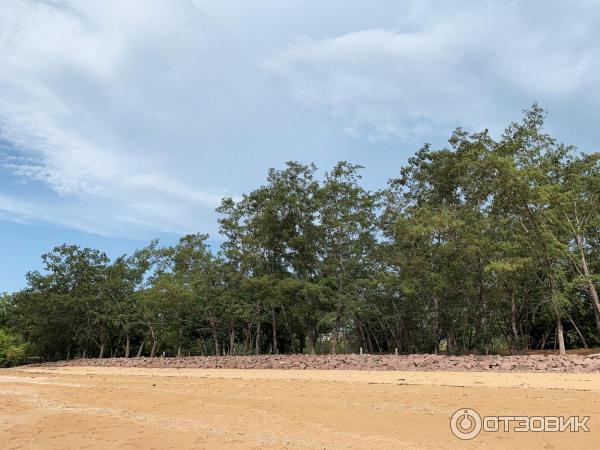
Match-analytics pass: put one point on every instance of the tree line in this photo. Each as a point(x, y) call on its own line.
point(488, 245)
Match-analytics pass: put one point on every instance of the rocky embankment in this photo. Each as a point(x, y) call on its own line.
point(520, 363)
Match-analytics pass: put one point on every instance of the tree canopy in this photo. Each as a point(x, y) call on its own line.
point(488, 245)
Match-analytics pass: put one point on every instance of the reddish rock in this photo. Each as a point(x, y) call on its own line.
point(522, 363)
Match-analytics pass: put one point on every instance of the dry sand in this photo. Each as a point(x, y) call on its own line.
point(98, 407)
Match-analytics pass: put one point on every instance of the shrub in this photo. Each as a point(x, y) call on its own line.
point(12, 349)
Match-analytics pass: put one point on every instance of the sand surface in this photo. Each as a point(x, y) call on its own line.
point(103, 407)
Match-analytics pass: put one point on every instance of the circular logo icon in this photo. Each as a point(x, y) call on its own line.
point(465, 423)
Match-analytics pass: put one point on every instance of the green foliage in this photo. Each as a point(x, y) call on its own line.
point(488, 245)
point(12, 349)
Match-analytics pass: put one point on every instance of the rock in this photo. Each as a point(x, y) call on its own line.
point(419, 362)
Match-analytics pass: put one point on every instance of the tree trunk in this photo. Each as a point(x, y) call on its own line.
point(589, 281)
point(257, 341)
point(127, 346)
point(583, 341)
point(180, 340)
point(484, 308)
point(398, 330)
point(154, 341)
point(362, 331)
point(216, 339)
point(377, 343)
point(561, 337)
point(248, 339)
point(513, 321)
point(544, 338)
point(292, 334)
point(102, 343)
point(312, 340)
point(594, 295)
point(436, 325)
point(274, 326)
point(450, 341)
point(232, 341)
point(139, 352)
point(335, 335)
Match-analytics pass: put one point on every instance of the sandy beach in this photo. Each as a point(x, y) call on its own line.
point(104, 407)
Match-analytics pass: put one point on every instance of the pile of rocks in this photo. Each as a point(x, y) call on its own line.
point(417, 362)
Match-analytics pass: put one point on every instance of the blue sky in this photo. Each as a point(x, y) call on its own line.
point(121, 121)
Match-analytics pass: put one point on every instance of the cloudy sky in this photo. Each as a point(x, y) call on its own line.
point(125, 120)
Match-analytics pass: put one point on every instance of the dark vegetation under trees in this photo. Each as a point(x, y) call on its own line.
point(485, 246)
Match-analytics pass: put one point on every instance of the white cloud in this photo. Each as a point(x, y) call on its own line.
point(453, 66)
point(129, 118)
point(76, 79)
point(23, 211)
